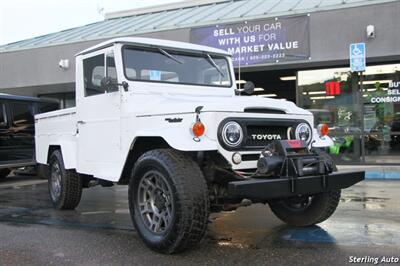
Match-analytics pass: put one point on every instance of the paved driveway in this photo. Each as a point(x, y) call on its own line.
point(366, 226)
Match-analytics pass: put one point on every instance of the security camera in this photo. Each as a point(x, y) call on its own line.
point(63, 64)
point(370, 31)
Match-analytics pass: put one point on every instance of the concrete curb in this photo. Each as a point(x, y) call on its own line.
point(382, 175)
point(375, 172)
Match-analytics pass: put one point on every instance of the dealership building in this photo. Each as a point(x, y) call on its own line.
point(298, 50)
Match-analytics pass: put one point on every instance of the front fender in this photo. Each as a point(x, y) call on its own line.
point(182, 142)
point(176, 131)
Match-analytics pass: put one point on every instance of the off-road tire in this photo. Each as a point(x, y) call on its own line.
point(190, 196)
point(71, 184)
point(322, 206)
point(4, 173)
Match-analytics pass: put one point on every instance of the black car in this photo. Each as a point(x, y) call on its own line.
point(17, 130)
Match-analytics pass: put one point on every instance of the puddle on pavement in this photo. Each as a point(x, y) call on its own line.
point(370, 203)
point(362, 199)
point(31, 205)
point(308, 234)
point(347, 233)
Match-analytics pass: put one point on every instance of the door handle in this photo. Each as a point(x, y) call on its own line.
point(80, 122)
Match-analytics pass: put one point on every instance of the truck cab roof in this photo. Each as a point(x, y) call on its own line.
point(152, 42)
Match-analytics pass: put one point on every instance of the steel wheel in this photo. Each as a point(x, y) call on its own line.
point(168, 200)
point(55, 184)
point(155, 202)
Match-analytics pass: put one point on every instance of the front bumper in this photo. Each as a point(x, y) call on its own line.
point(277, 188)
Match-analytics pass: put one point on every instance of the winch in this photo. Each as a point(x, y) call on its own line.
point(293, 158)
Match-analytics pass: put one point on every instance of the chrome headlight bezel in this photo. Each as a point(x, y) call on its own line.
point(225, 137)
point(300, 130)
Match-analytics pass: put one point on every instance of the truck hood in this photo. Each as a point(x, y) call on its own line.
point(175, 104)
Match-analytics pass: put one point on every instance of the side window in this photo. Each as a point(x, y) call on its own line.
point(111, 70)
point(3, 115)
point(22, 114)
point(93, 71)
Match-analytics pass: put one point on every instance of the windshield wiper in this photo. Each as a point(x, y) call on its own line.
point(169, 55)
point(212, 62)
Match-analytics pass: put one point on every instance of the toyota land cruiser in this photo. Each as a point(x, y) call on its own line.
point(164, 118)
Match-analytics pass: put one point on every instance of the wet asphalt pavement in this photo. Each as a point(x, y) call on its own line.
point(366, 225)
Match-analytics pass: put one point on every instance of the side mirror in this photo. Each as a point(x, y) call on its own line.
point(109, 84)
point(248, 87)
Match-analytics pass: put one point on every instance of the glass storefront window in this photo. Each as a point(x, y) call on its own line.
point(66, 99)
point(364, 123)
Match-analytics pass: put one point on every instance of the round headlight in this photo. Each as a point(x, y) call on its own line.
point(232, 134)
point(303, 132)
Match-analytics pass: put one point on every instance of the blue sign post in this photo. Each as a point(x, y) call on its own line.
point(357, 64)
point(357, 57)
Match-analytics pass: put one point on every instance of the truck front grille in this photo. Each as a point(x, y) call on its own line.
point(261, 136)
point(259, 132)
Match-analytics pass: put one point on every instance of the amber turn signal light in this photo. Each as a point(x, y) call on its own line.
point(323, 129)
point(198, 129)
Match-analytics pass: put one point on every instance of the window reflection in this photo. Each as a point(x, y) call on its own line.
point(363, 124)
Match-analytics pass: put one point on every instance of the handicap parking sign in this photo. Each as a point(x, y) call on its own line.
point(357, 57)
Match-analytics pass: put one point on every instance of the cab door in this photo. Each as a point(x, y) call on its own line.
point(98, 118)
point(5, 135)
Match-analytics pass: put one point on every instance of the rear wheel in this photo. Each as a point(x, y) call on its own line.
point(4, 173)
point(168, 201)
point(65, 186)
point(307, 210)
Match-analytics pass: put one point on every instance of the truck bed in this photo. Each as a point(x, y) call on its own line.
point(56, 128)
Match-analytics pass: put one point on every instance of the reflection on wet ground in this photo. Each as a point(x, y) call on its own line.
point(368, 215)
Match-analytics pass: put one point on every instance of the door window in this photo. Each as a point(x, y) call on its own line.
point(3, 115)
point(22, 115)
point(111, 71)
point(95, 69)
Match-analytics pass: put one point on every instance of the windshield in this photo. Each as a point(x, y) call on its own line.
point(163, 65)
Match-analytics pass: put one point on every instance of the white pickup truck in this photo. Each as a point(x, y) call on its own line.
point(166, 118)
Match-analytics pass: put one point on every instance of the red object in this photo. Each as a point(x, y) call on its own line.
point(323, 129)
point(198, 129)
point(332, 88)
point(295, 143)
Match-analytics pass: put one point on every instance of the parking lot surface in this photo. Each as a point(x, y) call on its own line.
point(366, 225)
